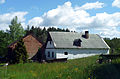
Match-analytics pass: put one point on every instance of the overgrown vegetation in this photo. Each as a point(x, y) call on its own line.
point(83, 68)
point(73, 69)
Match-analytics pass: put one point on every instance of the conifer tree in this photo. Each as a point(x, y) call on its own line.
point(19, 53)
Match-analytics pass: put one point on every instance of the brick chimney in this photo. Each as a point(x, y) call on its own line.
point(86, 34)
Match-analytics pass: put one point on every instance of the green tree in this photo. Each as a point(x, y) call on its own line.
point(19, 54)
point(42, 34)
point(114, 45)
point(16, 30)
point(3, 43)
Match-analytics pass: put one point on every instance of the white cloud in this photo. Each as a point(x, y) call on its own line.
point(94, 5)
point(77, 19)
point(64, 15)
point(6, 18)
point(116, 3)
point(109, 33)
point(2, 1)
point(35, 21)
point(106, 20)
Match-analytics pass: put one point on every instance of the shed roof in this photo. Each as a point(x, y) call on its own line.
point(23, 38)
point(65, 40)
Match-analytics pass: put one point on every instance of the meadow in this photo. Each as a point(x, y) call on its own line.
point(72, 69)
point(83, 68)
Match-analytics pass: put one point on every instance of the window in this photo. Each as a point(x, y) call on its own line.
point(66, 53)
point(52, 54)
point(48, 54)
point(77, 42)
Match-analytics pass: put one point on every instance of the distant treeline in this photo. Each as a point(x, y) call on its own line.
point(114, 45)
point(41, 34)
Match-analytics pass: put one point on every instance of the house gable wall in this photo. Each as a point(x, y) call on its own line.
point(50, 44)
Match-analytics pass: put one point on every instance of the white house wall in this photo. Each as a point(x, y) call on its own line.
point(50, 44)
point(74, 53)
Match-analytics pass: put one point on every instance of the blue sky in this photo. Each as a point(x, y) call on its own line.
point(98, 16)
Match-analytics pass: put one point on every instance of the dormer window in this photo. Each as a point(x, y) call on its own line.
point(77, 42)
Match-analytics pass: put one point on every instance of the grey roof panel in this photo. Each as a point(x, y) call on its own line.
point(65, 40)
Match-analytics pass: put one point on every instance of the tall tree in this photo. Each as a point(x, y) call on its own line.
point(16, 30)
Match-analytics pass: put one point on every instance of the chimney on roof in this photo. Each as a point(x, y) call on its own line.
point(86, 34)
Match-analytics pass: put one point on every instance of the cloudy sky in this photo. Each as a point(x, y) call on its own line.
point(98, 16)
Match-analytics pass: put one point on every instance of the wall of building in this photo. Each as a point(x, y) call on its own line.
point(50, 44)
point(74, 53)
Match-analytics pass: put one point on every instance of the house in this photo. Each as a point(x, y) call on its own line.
point(31, 43)
point(73, 45)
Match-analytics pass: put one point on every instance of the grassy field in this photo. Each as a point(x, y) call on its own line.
point(73, 69)
point(82, 68)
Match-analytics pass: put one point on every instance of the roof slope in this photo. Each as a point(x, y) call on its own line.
point(65, 40)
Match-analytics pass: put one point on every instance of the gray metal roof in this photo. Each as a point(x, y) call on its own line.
point(65, 40)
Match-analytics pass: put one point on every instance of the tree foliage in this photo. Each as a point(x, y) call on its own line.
point(3, 43)
point(41, 34)
point(19, 54)
point(16, 30)
point(114, 45)
point(14, 33)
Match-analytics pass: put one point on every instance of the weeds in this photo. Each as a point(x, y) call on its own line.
point(73, 69)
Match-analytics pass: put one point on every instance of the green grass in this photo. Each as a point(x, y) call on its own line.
point(83, 68)
point(73, 69)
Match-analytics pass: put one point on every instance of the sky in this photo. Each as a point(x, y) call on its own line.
point(97, 16)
